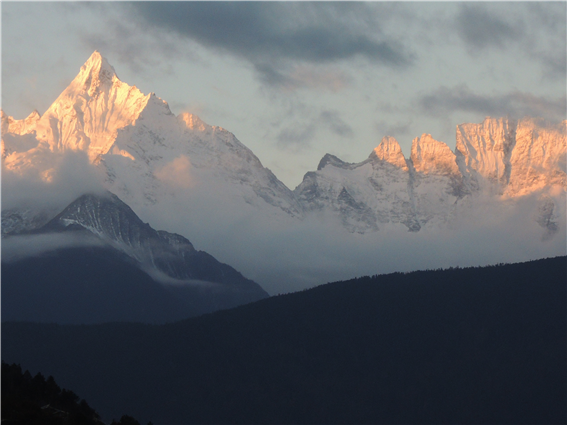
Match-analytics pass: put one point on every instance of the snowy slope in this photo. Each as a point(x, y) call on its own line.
point(157, 162)
point(143, 151)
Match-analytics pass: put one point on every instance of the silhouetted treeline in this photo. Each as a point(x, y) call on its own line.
point(35, 400)
point(472, 345)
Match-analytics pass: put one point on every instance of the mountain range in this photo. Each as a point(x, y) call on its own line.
point(145, 153)
point(182, 175)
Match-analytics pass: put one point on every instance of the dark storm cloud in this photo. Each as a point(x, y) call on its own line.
point(480, 27)
point(264, 31)
point(444, 101)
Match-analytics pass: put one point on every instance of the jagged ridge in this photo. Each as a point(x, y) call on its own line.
point(147, 156)
point(501, 158)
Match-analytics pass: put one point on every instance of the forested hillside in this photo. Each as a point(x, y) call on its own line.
point(474, 345)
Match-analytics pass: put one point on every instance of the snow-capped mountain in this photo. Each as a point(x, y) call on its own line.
point(151, 158)
point(144, 152)
point(500, 159)
point(114, 222)
point(161, 268)
point(505, 179)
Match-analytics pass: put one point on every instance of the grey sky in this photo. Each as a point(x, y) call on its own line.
point(295, 80)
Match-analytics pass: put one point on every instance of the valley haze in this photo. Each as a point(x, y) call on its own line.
point(484, 191)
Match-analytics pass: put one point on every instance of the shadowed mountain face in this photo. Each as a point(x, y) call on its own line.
point(117, 269)
point(475, 345)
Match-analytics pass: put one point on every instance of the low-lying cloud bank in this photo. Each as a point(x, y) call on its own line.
point(54, 182)
point(284, 254)
point(17, 247)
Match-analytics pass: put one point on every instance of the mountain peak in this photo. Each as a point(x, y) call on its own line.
point(432, 156)
point(331, 159)
point(96, 73)
point(99, 63)
point(389, 150)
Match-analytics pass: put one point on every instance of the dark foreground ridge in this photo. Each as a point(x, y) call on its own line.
point(474, 345)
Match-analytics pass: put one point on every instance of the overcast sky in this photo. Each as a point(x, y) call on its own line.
point(294, 81)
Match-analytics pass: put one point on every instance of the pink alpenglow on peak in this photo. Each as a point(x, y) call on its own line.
point(25, 126)
point(389, 150)
point(431, 156)
point(486, 149)
point(192, 121)
point(90, 111)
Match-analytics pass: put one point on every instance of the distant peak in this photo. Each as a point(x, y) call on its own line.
point(330, 159)
point(389, 150)
point(432, 156)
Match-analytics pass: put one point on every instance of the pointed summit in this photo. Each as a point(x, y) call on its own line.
point(432, 156)
point(95, 74)
point(389, 150)
point(89, 112)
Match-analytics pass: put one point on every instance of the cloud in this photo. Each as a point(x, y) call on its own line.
point(480, 27)
point(336, 124)
point(142, 48)
point(396, 129)
point(287, 256)
point(548, 39)
point(296, 135)
point(444, 101)
point(177, 173)
point(302, 77)
point(18, 247)
point(54, 183)
point(300, 135)
point(257, 31)
point(536, 30)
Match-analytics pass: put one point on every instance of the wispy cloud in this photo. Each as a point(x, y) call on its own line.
point(444, 101)
point(17, 247)
point(535, 30)
point(301, 135)
point(69, 175)
point(481, 28)
point(291, 78)
point(333, 121)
